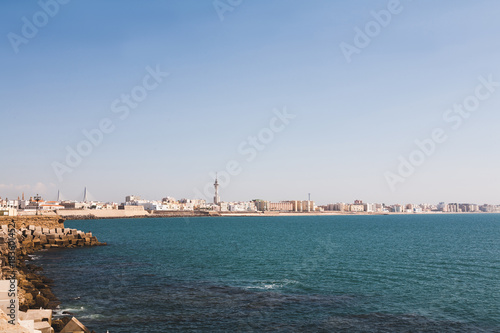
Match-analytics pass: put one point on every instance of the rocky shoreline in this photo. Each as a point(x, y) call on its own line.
point(34, 290)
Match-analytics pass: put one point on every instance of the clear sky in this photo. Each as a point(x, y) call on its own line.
point(231, 66)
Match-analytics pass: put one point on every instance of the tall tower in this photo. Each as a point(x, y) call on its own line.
point(85, 195)
point(58, 196)
point(216, 196)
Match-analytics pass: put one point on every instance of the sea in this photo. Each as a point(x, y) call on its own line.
point(396, 273)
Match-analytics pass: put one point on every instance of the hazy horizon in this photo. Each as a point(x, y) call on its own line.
point(290, 98)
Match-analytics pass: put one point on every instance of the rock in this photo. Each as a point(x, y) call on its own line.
point(29, 300)
point(46, 280)
point(25, 299)
point(59, 324)
point(47, 293)
point(38, 284)
point(41, 302)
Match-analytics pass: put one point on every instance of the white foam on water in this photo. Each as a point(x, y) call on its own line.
point(92, 316)
point(80, 309)
point(271, 285)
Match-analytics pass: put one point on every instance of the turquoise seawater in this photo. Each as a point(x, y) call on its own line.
point(418, 273)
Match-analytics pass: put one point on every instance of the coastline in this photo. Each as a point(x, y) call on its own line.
point(88, 214)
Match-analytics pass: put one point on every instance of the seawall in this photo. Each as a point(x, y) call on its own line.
point(89, 214)
point(50, 222)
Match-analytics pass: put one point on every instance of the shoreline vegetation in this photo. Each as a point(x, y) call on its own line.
point(21, 238)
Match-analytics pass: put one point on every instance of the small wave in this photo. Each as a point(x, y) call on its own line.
point(271, 285)
point(80, 309)
point(92, 316)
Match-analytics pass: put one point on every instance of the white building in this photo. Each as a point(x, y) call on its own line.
point(8, 211)
point(369, 208)
point(245, 206)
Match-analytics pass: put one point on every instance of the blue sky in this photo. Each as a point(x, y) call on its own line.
point(352, 120)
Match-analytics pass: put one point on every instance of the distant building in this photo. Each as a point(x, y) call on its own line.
point(341, 207)
point(131, 198)
point(131, 208)
point(356, 208)
point(74, 205)
point(168, 200)
point(369, 208)
point(397, 209)
point(308, 206)
point(51, 205)
point(296, 206)
point(245, 206)
point(261, 205)
point(4, 211)
point(283, 206)
point(489, 209)
point(194, 203)
point(216, 196)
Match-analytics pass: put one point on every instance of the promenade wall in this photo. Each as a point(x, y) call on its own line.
point(100, 213)
point(49, 222)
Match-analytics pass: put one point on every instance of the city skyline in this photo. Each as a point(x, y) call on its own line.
point(216, 199)
point(318, 97)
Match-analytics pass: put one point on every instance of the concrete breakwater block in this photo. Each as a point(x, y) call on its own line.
point(74, 326)
point(43, 327)
point(37, 315)
point(41, 237)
